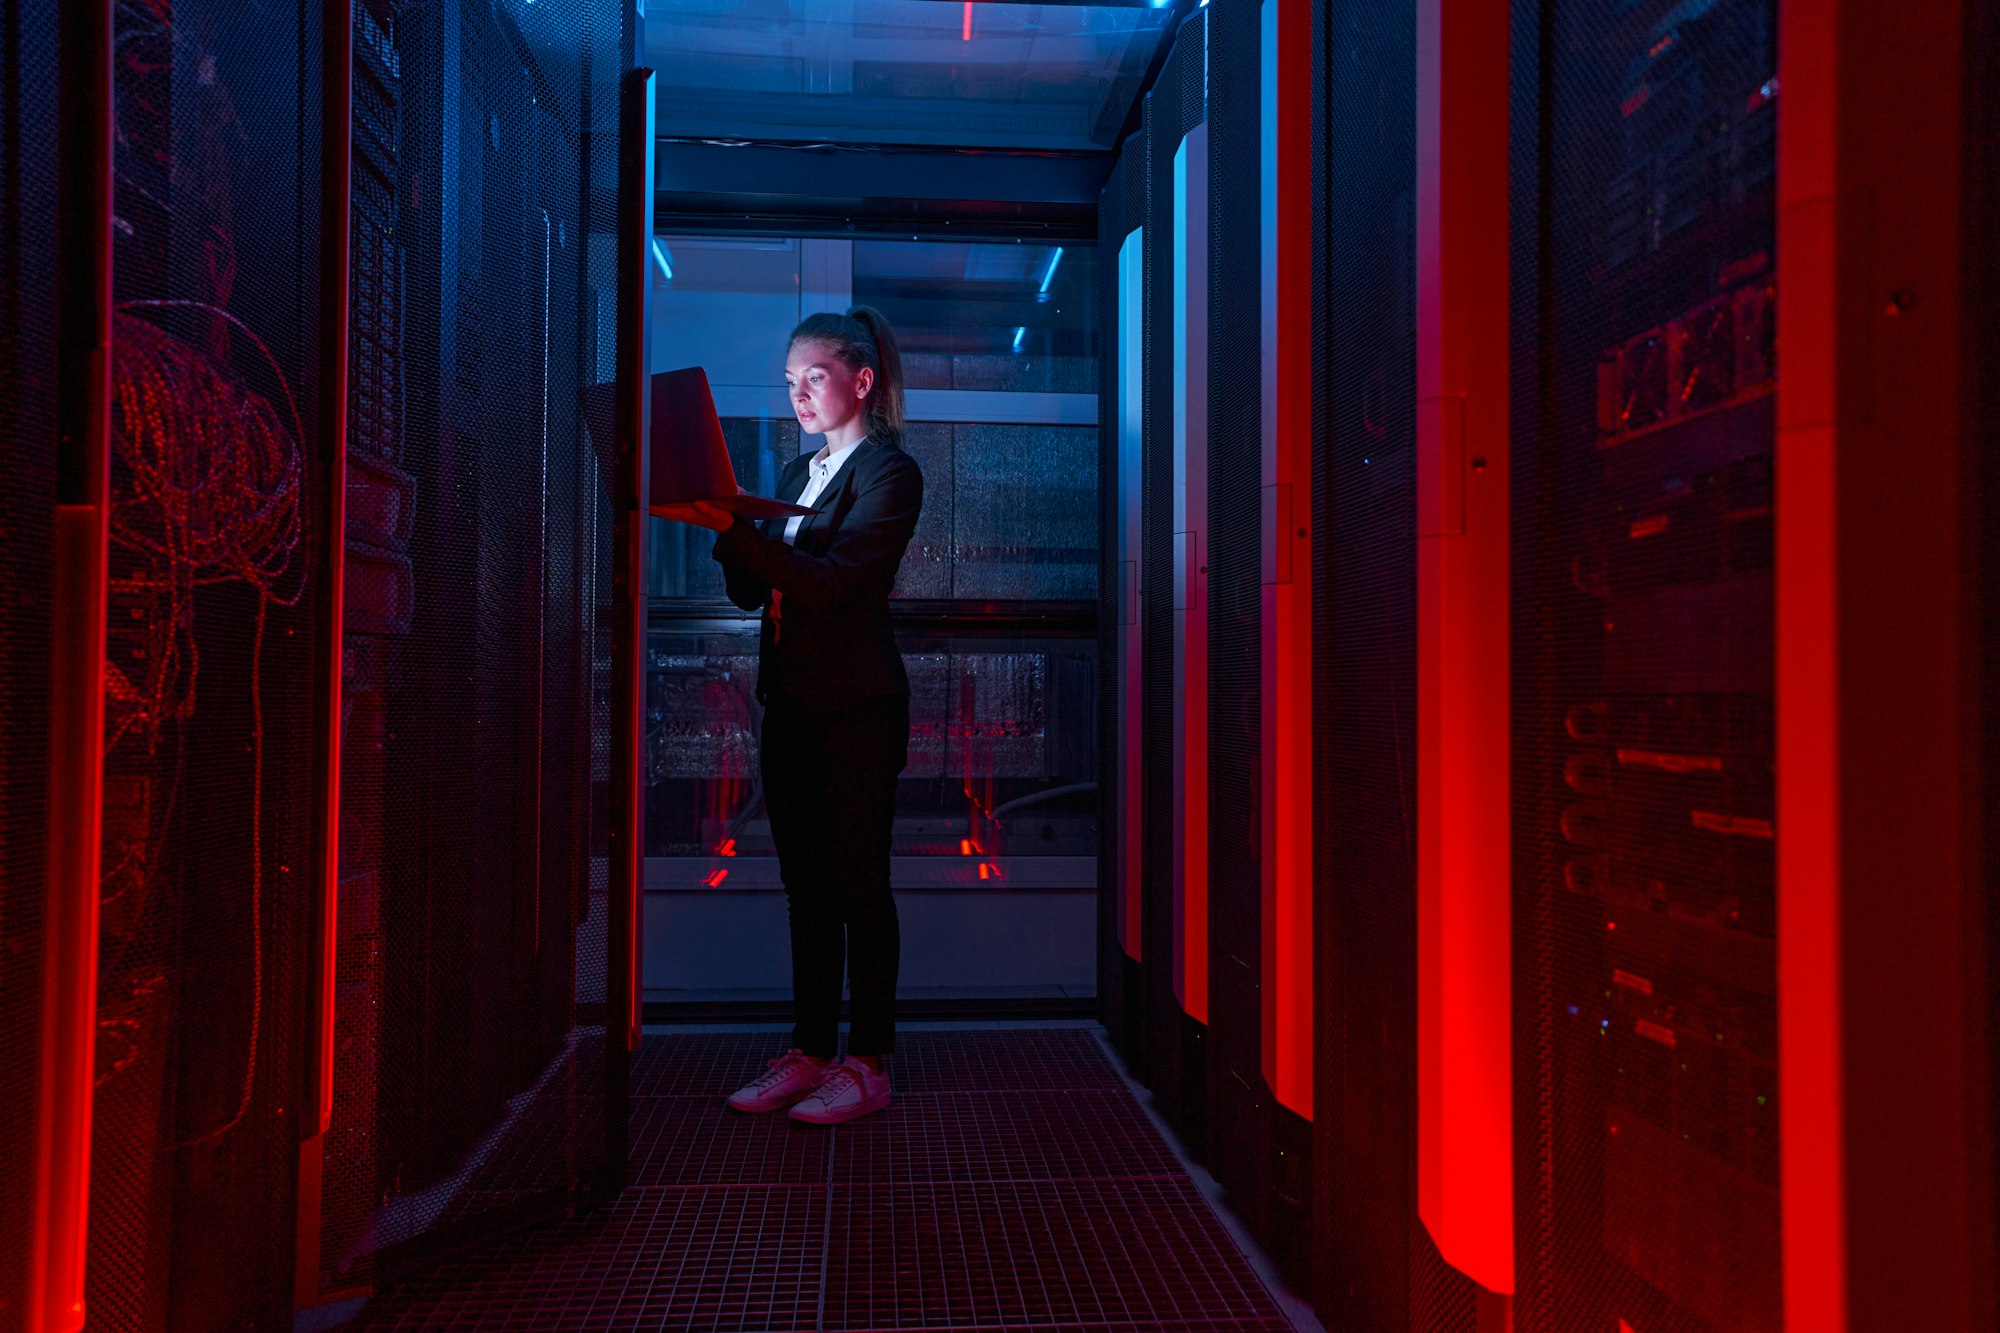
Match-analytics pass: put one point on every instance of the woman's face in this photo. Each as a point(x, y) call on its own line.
point(827, 396)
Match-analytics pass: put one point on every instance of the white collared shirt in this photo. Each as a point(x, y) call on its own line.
point(825, 466)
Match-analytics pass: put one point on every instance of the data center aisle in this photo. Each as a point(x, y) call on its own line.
point(1014, 1184)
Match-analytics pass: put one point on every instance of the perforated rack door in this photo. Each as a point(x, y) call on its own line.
point(1645, 969)
point(210, 880)
point(471, 1087)
point(1364, 501)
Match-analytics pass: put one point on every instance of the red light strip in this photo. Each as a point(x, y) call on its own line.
point(336, 240)
point(1464, 918)
point(59, 1244)
point(968, 21)
point(1812, 1132)
point(1287, 770)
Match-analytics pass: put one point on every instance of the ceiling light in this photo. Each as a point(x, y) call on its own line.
point(1050, 276)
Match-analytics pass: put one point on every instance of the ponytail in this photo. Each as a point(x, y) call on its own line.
point(862, 337)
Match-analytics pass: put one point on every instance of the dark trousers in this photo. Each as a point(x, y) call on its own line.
point(830, 789)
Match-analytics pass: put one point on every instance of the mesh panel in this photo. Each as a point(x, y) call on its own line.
point(470, 1082)
point(1442, 1299)
point(1364, 663)
point(216, 497)
point(28, 54)
point(1645, 904)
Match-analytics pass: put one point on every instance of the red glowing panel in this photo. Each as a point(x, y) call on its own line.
point(1464, 926)
point(1286, 780)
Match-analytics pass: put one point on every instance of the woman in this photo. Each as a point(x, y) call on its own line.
point(836, 704)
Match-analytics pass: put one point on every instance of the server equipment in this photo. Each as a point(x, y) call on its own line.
point(306, 541)
point(1645, 893)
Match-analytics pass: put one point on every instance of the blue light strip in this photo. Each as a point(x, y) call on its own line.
point(1050, 276)
point(663, 260)
point(1020, 336)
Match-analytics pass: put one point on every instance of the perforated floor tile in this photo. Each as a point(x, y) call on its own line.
point(699, 1141)
point(1003, 1136)
point(1001, 1061)
point(1006, 1252)
point(701, 1064)
point(1013, 1186)
point(719, 1260)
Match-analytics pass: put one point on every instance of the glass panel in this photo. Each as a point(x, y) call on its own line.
point(726, 305)
point(1010, 510)
point(1002, 764)
point(902, 71)
point(1027, 526)
point(1011, 318)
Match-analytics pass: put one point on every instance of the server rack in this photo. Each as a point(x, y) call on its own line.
point(1645, 290)
point(254, 1015)
point(1377, 1265)
point(217, 662)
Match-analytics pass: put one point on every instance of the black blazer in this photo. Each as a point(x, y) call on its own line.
point(836, 644)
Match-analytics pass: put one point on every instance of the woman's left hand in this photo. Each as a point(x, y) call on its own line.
point(701, 513)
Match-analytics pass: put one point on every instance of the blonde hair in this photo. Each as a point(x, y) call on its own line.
point(862, 337)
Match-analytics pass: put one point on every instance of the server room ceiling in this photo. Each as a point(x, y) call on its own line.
point(902, 73)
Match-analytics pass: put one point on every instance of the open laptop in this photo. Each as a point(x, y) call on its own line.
point(690, 460)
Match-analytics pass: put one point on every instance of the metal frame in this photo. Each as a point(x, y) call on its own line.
point(630, 485)
point(985, 407)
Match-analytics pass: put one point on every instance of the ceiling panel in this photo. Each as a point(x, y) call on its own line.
point(909, 72)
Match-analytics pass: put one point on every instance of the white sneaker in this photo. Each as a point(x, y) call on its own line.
point(846, 1090)
point(790, 1077)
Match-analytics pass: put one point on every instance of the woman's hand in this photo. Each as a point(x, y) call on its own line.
point(701, 513)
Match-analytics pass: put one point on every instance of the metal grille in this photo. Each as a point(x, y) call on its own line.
point(207, 888)
point(28, 57)
point(1364, 662)
point(470, 1081)
point(1645, 968)
point(1442, 1299)
point(1012, 1184)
